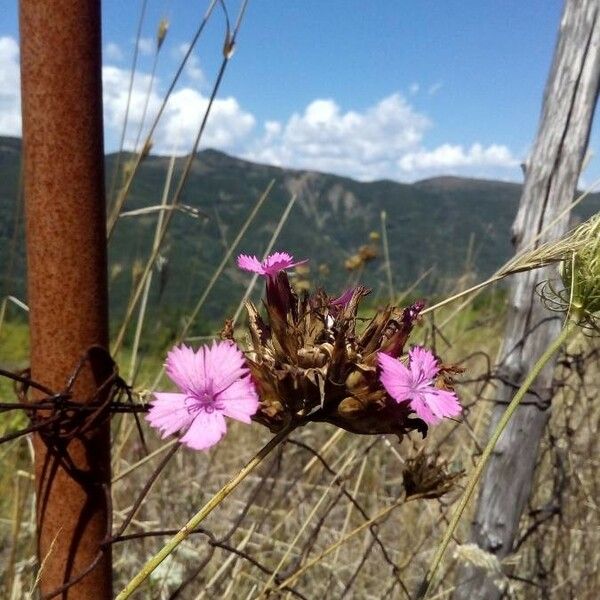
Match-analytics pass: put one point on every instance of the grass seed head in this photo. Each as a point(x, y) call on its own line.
point(581, 274)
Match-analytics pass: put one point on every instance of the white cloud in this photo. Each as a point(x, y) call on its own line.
point(113, 51)
point(449, 158)
point(386, 140)
point(10, 87)
point(272, 130)
point(365, 144)
point(146, 46)
point(435, 88)
point(414, 88)
point(192, 66)
point(115, 84)
point(227, 125)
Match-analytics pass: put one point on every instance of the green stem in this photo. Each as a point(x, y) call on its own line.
point(567, 330)
point(187, 529)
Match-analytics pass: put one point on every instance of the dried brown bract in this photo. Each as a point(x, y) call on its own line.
point(314, 359)
point(428, 477)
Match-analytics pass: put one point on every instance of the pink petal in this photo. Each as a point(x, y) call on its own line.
point(206, 430)
point(240, 400)
point(222, 363)
point(181, 367)
point(216, 382)
point(395, 377)
point(272, 265)
point(278, 262)
point(169, 413)
point(423, 364)
point(442, 403)
point(250, 263)
point(342, 301)
point(421, 407)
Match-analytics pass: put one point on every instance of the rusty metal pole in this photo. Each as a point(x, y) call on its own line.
point(67, 283)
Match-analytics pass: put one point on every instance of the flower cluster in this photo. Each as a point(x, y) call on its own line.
point(309, 359)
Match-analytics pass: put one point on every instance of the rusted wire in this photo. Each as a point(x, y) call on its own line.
point(58, 415)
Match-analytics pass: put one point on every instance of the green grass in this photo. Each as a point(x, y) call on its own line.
point(14, 356)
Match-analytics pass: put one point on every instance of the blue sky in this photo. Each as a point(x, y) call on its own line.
point(403, 90)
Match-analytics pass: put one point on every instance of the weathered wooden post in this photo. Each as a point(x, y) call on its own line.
point(67, 285)
point(550, 186)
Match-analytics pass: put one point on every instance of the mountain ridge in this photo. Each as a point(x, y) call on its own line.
point(449, 223)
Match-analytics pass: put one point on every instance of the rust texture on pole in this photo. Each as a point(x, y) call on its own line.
point(67, 286)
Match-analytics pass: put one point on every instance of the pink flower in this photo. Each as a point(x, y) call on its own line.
point(416, 384)
point(270, 266)
point(342, 301)
point(215, 383)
